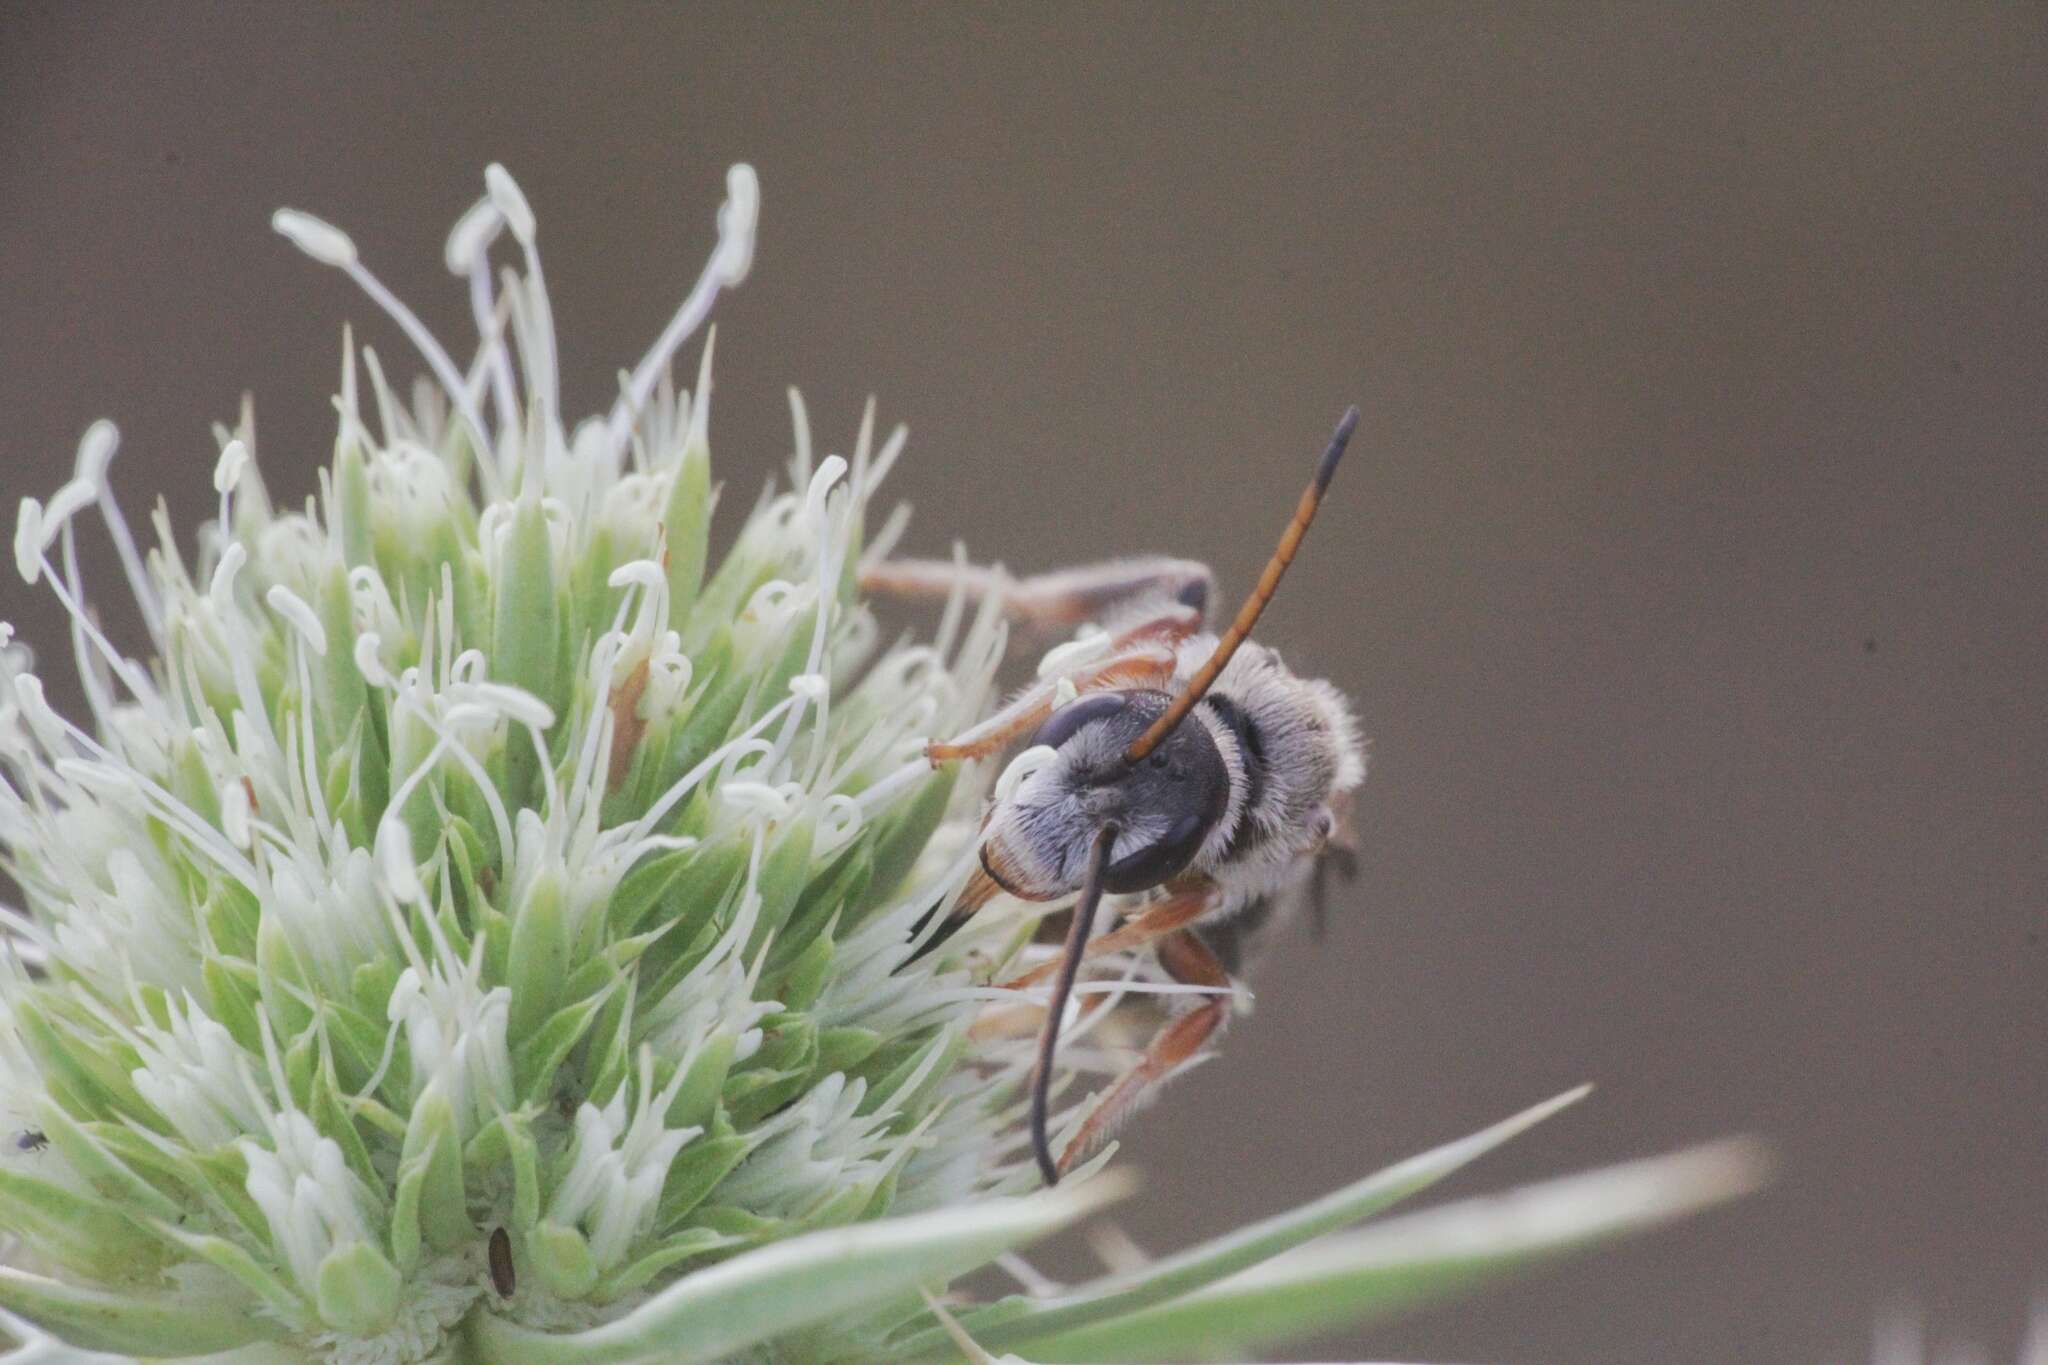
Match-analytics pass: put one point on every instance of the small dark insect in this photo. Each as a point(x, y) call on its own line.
point(501, 1263)
point(31, 1140)
point(1209, 780)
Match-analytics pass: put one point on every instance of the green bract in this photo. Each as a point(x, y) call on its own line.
point(476, 861)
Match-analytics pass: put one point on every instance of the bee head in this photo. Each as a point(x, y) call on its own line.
point(1165, 805)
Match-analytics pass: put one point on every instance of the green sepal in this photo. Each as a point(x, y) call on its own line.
point(231, 914)
point(191, 781)
point(697, 1098)
point(232, 986)
point(244, 1269)
point(351, 513)
point(609, 1055)
point(526, 625)
point(301, 1058)
point(336, 682)
point(905, 831)
point(277, 965)
point(106, 1172)
point(158, 1326)
point(673, 1251)
point(805, 979)
point(357, 1044)
point(333, 1121)
point(88, 1075)
point(87, 1234)
point(644, 886)
point(710, 721)
point(845, 1047)
point(371, 984)
point(754, 1094)
point(563, 1259)
point(357, 1290)
point(540, 955)
point(223, 1174)
point(740, 1224)
point(433, 1150)
point(508, 1141)
point(698, 1169)
point(538, 1060)
point(784, 873)
point(844, 882)
point(895, 1091)
point(685, 525)
point(610, 963)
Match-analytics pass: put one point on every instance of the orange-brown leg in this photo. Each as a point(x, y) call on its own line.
point(1147, 666)
point(1186, 903)
point(1051, 603)
point(1186, 959)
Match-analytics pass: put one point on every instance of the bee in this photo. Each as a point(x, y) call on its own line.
point(31, 1140)
point(1198, 771)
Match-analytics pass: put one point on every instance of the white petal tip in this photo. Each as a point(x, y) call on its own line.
point(510, 201)
point(324, 242)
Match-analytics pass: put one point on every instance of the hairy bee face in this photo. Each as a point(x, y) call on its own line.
point(1165, 805)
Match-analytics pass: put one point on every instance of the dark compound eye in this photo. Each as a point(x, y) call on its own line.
point(1163, 858)
point(1062, 724)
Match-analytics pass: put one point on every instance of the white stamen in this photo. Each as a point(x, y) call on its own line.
point(28, 540)
point(728, 266)
point(1019, 769)
point(235, 813)
point(395, 860)
point(227, 471)
point(66, 503)
point(472, 235)
point(515, 704)
point(638, 573)
point(335, 249)
point(95, 452)
point(324, 242)
point(221, 589)
point(820, 487)
point(293, 608)
point(542, 373)
point(737, 219)
point(510, 202)
point(1090, 642)
point(368, 664)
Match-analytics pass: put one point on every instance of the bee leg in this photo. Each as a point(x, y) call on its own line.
point(1181, 907)
point(1188, 960)
point(1051, 604)
point(1145, 665)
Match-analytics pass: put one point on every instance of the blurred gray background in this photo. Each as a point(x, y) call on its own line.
point(1688, 572)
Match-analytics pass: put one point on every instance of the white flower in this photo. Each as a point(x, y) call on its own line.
point(484, 924)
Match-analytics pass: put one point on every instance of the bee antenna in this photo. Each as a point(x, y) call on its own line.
point(1062, 990)
point(1248, 614)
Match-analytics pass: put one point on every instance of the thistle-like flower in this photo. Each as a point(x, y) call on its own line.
point(482, 927)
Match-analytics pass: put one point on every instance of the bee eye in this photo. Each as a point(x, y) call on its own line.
point(1150, 864)
point(1062, 724)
